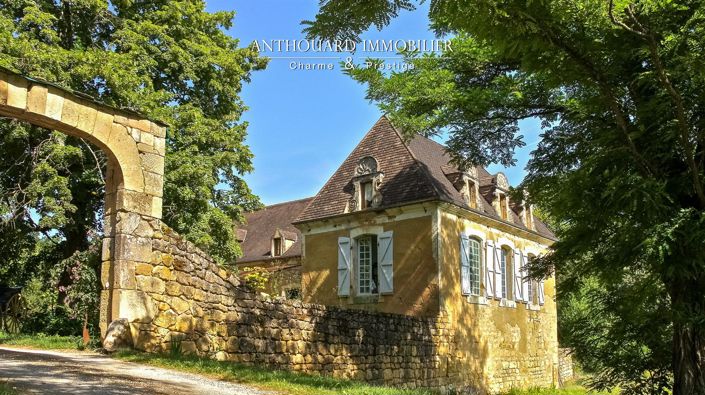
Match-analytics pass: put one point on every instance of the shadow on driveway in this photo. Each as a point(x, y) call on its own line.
point(49, 372)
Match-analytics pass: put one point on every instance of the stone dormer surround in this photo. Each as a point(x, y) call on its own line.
point(525, 211)
point(500, 196)
point(366, 171)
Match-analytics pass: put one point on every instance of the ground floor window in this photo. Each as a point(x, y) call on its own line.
point(474, 263)
point(293, 294)
point(367, 270)
point(503, 264)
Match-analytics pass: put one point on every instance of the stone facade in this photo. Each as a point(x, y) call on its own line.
point(517, 342)
point(565, 365)
point(208, 310)
point(440, 242)
point(496, 344)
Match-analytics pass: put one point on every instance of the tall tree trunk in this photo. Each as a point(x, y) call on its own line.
point(688, 337)
point(688, 359)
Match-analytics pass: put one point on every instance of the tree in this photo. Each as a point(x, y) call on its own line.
point(168, 59)
point(618, 87)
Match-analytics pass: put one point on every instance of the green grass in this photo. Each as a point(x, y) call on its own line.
point(296, 383)
point(40, 340)
point(7, 389)
point(274, 380)
point(571, 389)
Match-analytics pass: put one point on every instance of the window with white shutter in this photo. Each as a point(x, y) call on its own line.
point(518, 267)
point(490, 257)
point(474, 266)
point(525, 281)
point(500, 275)
point(469, 265)
point(385, 251)
point(465, 264)
point(541, 295)
point(344, 267)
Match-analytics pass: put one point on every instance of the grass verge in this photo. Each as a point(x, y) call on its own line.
point(296, 383)
point(570, 389)
point(41, 341)
point(274, 380)
point(7, 389)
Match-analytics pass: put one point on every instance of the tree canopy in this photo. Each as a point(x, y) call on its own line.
point(618, 88)
point(171, 60)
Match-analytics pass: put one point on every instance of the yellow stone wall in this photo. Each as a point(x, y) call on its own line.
point(415, 268)
point(492, 346)
point(210, 313)
point(504, 347)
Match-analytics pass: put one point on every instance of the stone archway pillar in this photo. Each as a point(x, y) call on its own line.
point(135, 147)
point(132, 218)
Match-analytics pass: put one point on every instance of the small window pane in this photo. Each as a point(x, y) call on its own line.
point(367, 265)
point(474, 255)
point(503, 271)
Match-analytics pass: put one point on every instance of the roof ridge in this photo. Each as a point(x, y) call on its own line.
point(429, 179)
point(283, 203)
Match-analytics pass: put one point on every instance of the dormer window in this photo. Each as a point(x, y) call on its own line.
point(501, 196)
point(366, 195)
point(503, 206)
point(472, 192)
point(366, 184)
point(277, 246)
point(466, 182)
point(282, 240)
point(526, 212)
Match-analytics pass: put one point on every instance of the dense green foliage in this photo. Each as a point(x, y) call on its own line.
point(618, 87)
point(169, 59)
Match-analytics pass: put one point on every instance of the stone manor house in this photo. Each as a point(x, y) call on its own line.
point(399, 229)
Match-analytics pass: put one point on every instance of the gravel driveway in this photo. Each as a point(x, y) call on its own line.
point(49, 372)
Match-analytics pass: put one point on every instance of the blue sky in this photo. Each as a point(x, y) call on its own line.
point(303, 123)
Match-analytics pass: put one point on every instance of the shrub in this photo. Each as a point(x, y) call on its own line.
point(44, 313)
point(255, 278)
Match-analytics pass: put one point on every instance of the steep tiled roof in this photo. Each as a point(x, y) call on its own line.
point(261, 225)
point(416, 170)
point(404, 178)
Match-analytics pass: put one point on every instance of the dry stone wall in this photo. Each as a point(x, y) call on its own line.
point(193, 301)
point(565, 365)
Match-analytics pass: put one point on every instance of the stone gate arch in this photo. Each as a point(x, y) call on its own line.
point(135, 147)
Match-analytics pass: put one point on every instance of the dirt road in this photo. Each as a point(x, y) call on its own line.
point(49, 372)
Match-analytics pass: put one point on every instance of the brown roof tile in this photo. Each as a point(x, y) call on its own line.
point(261, 225)
point(413, 171)
point(404, 177)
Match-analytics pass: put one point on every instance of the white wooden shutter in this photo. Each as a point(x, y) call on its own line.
point(498, 272)
point(542, 297)
point(489, 270)
point(525, 281)
point(385, 258)
point(344, 267)
point(518, 266)
point(465, 264)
